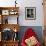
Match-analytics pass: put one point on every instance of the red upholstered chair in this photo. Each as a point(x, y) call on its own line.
point(29, 33)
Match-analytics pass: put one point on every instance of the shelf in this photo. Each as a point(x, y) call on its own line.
point(11, 41)
point(4, 8)
point(5, 12)
point(9, 10)
point(10, 26)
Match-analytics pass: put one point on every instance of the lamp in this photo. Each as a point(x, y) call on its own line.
point(15, 35)
point(15, 30)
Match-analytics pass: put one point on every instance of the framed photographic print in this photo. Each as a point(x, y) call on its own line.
point(30, 13)
point(5, 12)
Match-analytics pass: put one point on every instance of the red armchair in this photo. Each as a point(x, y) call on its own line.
point(30, 34)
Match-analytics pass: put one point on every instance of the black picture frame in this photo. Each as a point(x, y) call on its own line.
point(30, 13)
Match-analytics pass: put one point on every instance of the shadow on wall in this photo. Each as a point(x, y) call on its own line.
point(37, 29)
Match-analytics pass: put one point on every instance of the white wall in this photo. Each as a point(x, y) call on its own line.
point(39, 12)
point(25, 3)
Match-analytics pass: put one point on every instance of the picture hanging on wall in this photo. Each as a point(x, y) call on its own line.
point(30, 13)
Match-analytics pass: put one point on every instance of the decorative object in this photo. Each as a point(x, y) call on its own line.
point(5, 12)
point(30, 38)
point(9, 20)
point(15, 30)
point(6, 21)
point(7, 34)
point(15, 37)
point(31, 41)
point(15, 3)
point(12, 12)
point(30, 13)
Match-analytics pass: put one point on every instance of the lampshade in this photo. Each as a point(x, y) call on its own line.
point(15, 30)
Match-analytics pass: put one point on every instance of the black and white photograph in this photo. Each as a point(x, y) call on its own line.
point(30, 13)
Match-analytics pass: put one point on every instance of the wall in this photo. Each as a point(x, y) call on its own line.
point(25, 3)
point(39, 14)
